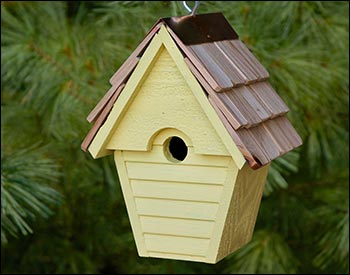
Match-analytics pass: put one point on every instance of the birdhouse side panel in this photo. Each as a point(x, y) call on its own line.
point(243, 211)
point(164, 100)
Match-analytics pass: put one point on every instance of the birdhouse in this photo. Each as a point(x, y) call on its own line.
point(193, 124)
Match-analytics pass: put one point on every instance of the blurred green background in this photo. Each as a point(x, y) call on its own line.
point(63, 212)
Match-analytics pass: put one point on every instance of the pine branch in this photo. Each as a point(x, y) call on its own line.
point(23, 194)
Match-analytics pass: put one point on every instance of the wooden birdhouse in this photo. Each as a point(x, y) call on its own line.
point(193, 124)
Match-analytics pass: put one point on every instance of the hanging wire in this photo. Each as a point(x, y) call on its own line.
point(194, 9)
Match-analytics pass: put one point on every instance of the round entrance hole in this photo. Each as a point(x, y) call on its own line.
point(176, 149)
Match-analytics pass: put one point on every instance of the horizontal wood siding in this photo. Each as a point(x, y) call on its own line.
point(176, 209)
point(156, 155)
point(176, 256)
point(181, 173)
point(179, 227)
point(175, 244)
point(177, 190)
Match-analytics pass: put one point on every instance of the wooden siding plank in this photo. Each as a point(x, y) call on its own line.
point(182, 173)
point(176, 256)
point(174, 244)
point(157, 155)
point(180, 227)
point(175, 190)
point(176, 209)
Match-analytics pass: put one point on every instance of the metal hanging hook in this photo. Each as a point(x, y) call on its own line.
point(194, 9)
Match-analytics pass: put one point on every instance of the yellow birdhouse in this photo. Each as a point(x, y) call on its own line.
point(193, 124)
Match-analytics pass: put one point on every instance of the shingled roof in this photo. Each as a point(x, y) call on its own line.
point(234, 81)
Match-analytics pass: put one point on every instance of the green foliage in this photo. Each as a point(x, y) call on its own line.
point(268, 253)
point(56, 60)
point(23, 191)
point(282, 166)
point(333, 217)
